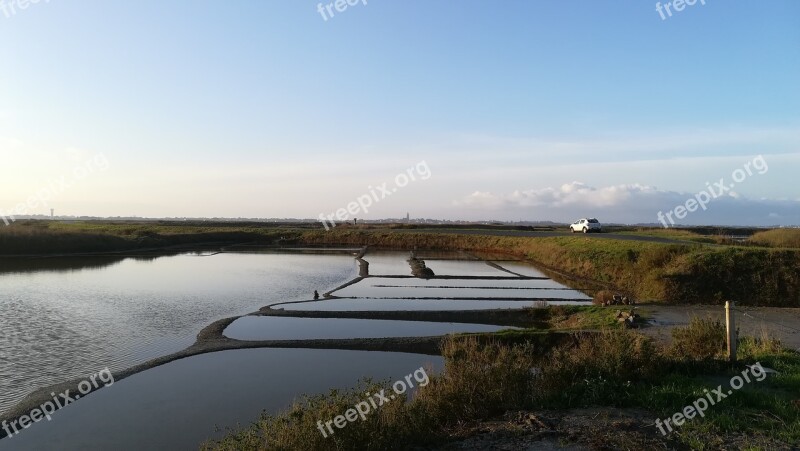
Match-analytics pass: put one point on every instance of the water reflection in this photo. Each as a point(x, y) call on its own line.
point(286, 328)
point(362, 305)
point(158, 409)
point(63, 264)
point(71, 318)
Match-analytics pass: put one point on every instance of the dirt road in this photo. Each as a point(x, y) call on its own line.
point(781, 323)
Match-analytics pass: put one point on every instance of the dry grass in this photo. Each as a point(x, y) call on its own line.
point(595, 366)
point(764, 343)
point(702, 339)
point(45, 237)
point(785, 238)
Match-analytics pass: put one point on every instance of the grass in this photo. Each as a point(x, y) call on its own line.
point(783, 238)
point(672, 233)
point(613, 368)
point(579, 317)
point(702, 339)
point(45, 237)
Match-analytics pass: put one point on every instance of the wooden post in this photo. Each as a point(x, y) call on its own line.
point(730, 325)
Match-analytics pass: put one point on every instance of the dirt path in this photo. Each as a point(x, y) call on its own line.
point(781, 323)
point(586, 429)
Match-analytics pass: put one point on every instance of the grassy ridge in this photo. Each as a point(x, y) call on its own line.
point(648, 271)
point(23, 239)
point(39, 237)
point(749, 276)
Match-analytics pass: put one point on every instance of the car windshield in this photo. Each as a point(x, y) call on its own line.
point(594, 221)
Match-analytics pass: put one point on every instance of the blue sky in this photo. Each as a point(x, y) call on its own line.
point(265, 109)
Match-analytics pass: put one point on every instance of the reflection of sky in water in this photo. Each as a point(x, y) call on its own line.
point(284, 328)
point(158, 409)
point(65, 318)
point(411, 304)
point(388, 263)
point(60, 325)
point(463, 268)
point(385, 287)
point(521, 269)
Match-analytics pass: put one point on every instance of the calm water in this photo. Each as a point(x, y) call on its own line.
point(521, 268)
point(159, 410)
point(281, 328)
point(382, 287)
point(463, 268)
point(354, 305)
point(445, 264)
point(66, 318)
point(388, 263)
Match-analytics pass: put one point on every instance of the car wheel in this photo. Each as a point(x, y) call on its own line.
point(585, 230)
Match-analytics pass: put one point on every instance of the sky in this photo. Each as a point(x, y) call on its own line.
point(462, 109)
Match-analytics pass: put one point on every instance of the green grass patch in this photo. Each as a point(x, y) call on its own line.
point(672, 233)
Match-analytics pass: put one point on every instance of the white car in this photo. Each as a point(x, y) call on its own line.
point(586, 225)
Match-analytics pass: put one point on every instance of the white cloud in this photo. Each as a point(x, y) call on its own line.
point(575, 194)
point(633, 203)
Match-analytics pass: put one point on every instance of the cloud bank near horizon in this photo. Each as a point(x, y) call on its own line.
point(628, 203)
